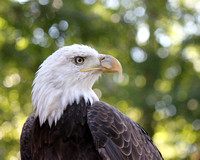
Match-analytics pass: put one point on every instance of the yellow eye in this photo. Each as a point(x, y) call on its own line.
point(79, 60)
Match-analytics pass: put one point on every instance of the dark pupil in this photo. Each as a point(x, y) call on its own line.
point(79, 60)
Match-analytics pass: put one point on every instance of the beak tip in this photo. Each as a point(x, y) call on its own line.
point(111, 64)
point(120, 73)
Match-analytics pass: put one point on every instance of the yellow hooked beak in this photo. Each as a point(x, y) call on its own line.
point(107, 64)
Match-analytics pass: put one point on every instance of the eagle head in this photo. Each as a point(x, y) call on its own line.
point(66, 76)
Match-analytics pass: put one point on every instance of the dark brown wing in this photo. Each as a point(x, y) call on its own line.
point(117, 137)
point(25, 139)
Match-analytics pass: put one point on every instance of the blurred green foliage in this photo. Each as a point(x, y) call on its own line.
point(157, 43)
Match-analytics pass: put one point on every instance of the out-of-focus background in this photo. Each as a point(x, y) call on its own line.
point(156, 41)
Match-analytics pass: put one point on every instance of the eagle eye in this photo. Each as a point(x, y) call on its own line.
point(79, 60)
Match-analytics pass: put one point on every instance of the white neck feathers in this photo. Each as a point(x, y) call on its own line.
point(50, 101)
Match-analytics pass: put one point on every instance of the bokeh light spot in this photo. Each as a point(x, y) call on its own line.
point(63, 25)
point(190, 53)
point(38, 33)
point(127, 4)
point(129, 17)
point(138, 55)
point(167, 99)
point(143, 34)
point(163, 86)
point(57, 4)
point(171, 110)
point(3, 23)
point(21, 43)
point(162, 37)
point(134, 113)
point(54, 32)
point(172, 71)
point(163, 53)
point(89, 2)
point(196, 124)
point(139, 11)
point(115, 18)
point(176, 33)
point(98, 92)
point(60, 42)
point(123, 81)
point(22, 1)
point(192, 104)
point(112, 4)
point(43, 2)
point(164, 40)
point(140, 81)
point(11, 80)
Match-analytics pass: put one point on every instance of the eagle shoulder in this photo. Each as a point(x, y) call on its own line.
point(118, 137)
point(25, 139)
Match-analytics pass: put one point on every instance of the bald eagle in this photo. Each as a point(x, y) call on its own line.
point(70, 123)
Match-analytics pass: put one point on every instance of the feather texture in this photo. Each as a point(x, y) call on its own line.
point(87, 132)
point(117, 137)
point(69, 139)
point(25, 139)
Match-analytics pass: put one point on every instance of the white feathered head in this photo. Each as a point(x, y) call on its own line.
point(66, 76)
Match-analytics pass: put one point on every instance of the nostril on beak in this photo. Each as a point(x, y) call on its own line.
point(103, 58)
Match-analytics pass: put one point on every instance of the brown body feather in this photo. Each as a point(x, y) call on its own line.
point(87, 132)
point(117, 136)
